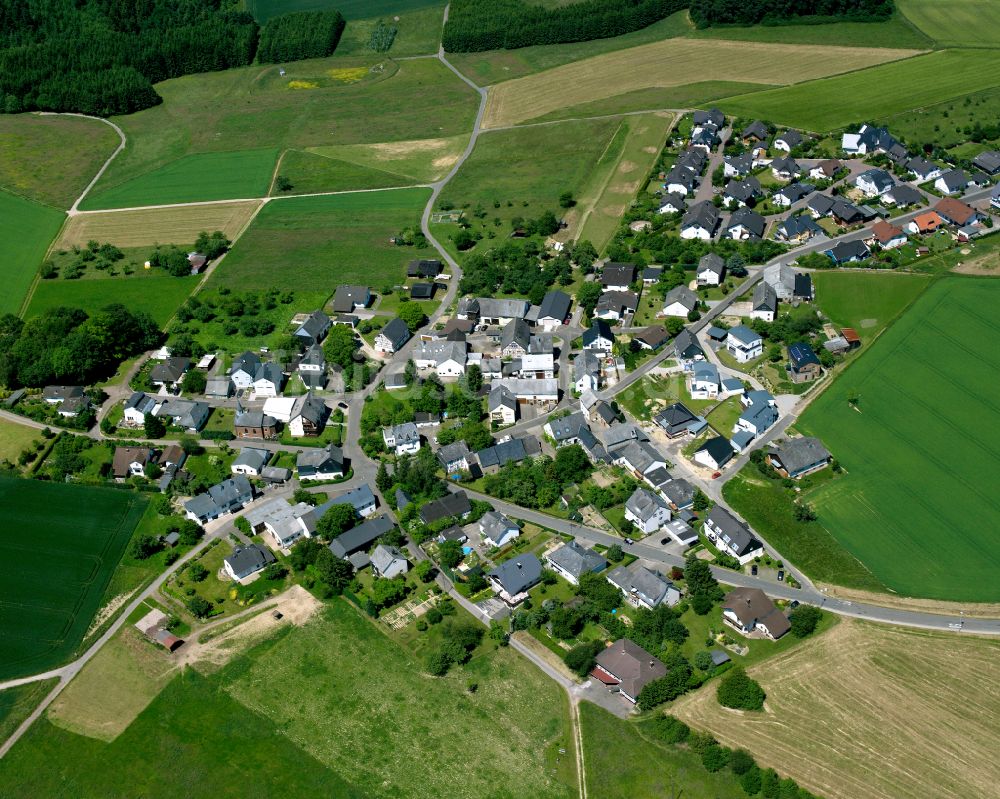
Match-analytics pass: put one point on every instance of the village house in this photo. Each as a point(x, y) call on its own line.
point(616, 305)
point(254, 424)
point(348, 299)
point(744, 344)
point(700, 221)
point(627, 668)
point(731, 536)
point(785, 168)
point(744, 225)
point(502, 406)
point(326, 463)
point(652, 337)
point(170, 372)
point(803, 363)
point(571, 561)
point(765, 303)
point(554, 310)
point(131, 461)
point(514, 450)
point(759, 414)
point(642, 587)
point(715, 453)
point(565, 430)
point(711, 269)
point(359, 539)
point(393, 336)
point(283, 522)
point(454, 457)
point(739, 193)
point(388, 562)
point(228, 496)
point(647, 511)
point(246, 561)
point(599, 336)
point(618, 276)
point(687, 350)
point(787, 141)
point(402, 439)
point(307, 416)
point(679, 302)
point(513, 578)
point(955, 212)
point(446, 358)
point(250, 461)
point(902, 196)
point(825, 170)
point(362, 499)
point(748, 610)
point(874, 182)
point(428, 269)
point(886, 235)
point(675, 420)
point(798, 457)
point(314, 328)
point(927, 222)
point(497, 530)
point(705, 381)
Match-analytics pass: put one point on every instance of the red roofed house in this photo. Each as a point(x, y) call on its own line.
point(887, 236)
point(955, 212)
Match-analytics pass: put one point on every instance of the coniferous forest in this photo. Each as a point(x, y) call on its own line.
point(102, 57)
point(706, 13)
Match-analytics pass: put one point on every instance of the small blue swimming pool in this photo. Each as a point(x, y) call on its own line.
point(466, 550)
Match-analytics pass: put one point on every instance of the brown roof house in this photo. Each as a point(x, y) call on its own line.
point(131, 461)
point(627, 668)
point(748, 610)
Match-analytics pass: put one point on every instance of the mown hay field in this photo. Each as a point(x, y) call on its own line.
point(61, 544)
point(918, 504)
point(884, 90)
point(957, 23)
point(52, 158)
point(140, 228)
point(26, 230)
point(674, 62)
point(874, 711)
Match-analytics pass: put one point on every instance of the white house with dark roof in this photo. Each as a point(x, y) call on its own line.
point(571, 561)
point(393, 336)
point(587, 371)
point(765, 303)
point(502, 406)
point(731, 536)
point(388, 562)
point(599, 336)
point(246, 561)
point(711, 269)
point(744, 344)
point(647, 511)
point(700, 221)
point(787, 141)
point(715, 453)
point(402, 439)
point(679, 301)
point(798, 457)
point(759, 414)
point(643, 588)
point(513, 578)
point(627, 668)
point(874, 182)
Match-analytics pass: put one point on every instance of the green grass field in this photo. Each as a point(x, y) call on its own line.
point(417, 161)
point(896, 32)
point(887, 89)
point(241, 175)
point(944, 124)
point(917, 505)
point(418, 31)
point(60, 543)
point(15, 437)
point(26, 228)
point(868, 302)
point(160, 296)
point(256, 110)
point(27, 166)
point(317, 243)
point(310, 173)
point(17, 703)
point(623, 762)
point(957, 23)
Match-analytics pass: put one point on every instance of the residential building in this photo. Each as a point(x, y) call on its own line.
point(314, 328)
point(711, 269)
point(798, 457)
point(755, 131)
point(642, 587)
point(571, 561)
point(737, 166)
point(514, 338)
point(627, 668)
point(787, 141)
point(362, 499)
point(760, 412)
point(652, 337)
point(513, 578)
point(361, 537)
point(250, 461)
point(307, 415)
point(902, 195)
point(348, 299)
point(765, 303)
point(955, 212)
point(679, 301)
point(228, 496)
point(422, 291)
point(988, 162)
point(170, 372)
point(825, 170)
point(537, 392)
point(731, 536)
point(246, 561)
point(402, 439)
point(618, 276)
point(429, 268)
point(927, 222)
point(675, 420)
point(326, 463)
point(715, 453)
point(874, 182)
point(283, 522)
point(687, 350)
point(254, 424)
point(554, 310)
point(868, 139)
point(388, 562)
point(846, 252)
point(639, 457)
point(454, 457)
point(393, 336)
point(497, 530)
point(700, 221)
point(785, 168)
point(744, 344)
point(673, 203)
point(704, 381)
point(647, 511)
point(447, 358)
point(131, 461)
point(587, 371)
point(740, 192)
point(748, 610)
point(954, 181)
point(791, 194)
point(886, 235)
point(797, 229)
point(745, 224)
point(679, 494)
point(923, 169)
point(803, 363)
point(616, 305)
point(451, 505)
point(681, 532)
point(513, 450)
point(502, 406)
point(598, 336)
point(189, 415)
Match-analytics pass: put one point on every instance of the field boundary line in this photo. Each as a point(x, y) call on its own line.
point(678, 111)
point(607, 178)
point(274, 173)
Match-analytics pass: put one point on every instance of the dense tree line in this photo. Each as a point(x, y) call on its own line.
point(305, 34)
point(513, 268)
point(705, 13)
point(66, 346)
point(475, 25)
point(102, 57)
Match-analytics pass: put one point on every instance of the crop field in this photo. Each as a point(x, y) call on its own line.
point(622, 172)
point(256, 109)
point(836, 102)
point(622, 763)
point(837, 705)
point(868, 302)
point(193, 741)
point(675, 62)
point(156, 225)
point(405, 726)
point(918, 505)
point(317, 243)
point(160, 296)
point(27, 165)
point(26, 228)
point(61, 543)
point(201, 177)
point(957, 23)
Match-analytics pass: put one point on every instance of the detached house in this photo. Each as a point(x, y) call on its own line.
point(513, 578)
point(250, 462)
point(402, 439)
point(924, 170)
point(887, 235)
point(874, 182)
point(170, 372)
point(315, 327)
point(791, 194)
point(785, 168)
point(952, 182)
point(848, 252)
point(228, 496)
point(737, 166)
point(798, 457)
point(502, 406)
point(715, 453)
point(627, 668)
point(307, 416)
point(643, 588)
point(745, 224)
point(454, 457)
point(618, 276)
point(675, 420)
point(744, 344)
point(803, 363)
point(554, 310)
point(748, 610)
point(825, 170)
point(587, 371)
point(797, 229)
point(647, 511)
point(925, 223)
point(868, 139)
point(246, 561)
point(741, 192)
point(902, 195)
point(731, 536)
point(680, 182)
point(955, 212)
point(760, 413)
point(321, 464)
point(349, 298)
point(687, 350)
point(388, 562)
point(599, 336)
point(615, 305)
point(787, 141)
point(711, 269)
point(679, 301)
point(700, 221)
point(571, 561)
point(393, 336)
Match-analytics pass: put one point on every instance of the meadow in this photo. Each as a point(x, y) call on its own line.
point(917, 505)
point(316, 243)
point(310, 173)
point(256, 110)
point(160, 296)
point(147, 227)
point(866, 301)
point(200, 177)
point(15, 437)
point(894, 33)
point(417, 161)
point(61, 544)
point(893, 88)
point(944, 124)
point(418, 30)
point(675, 62)
point(27, 166)
point(838, 704)
point(263, 10)
point(957, 23)
point(26, 228)
point(16, 704)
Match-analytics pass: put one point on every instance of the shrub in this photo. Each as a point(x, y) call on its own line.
point(739, 691)
point(804, 620)
point(671, 730)
point(581, 658)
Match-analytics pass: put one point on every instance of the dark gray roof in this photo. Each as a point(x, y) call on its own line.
point(516, 331)
point(732, 530)
point(683, 295)
point(360, 537)
point(988, 161)
point(456, 504)
point(713, 117)
point(756, 130)
point(791, 137)
point(753, 222)
point(169, 371)
point(674, 417)
point(796, 191)
point(905, 195)
point(397, 332)
point(314, 327)
point(567, 427)
point(346, 297)
point(743, 190)
point(702, 214)
point(686, 345)
point(800, 453)
point(248, 362)
point(848, 251)
point(617, 274)
point(519, 573)
point(423, 268)
point(249, 559)
point(786, 164)
point(719, 448)
point(503, 453)
point(422, 291)
point(879, 178)
point(822, 204)
point(765, 298)
point(359, 498)
point(598, 329)
point(555, 305)
point(712, 262)
point(453, 452)
point(577, 560)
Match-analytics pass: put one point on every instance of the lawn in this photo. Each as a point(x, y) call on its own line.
point(316, 243)
point(160, 296)
point(960, 23)
point(646, 398)
point(835, 704)
point(895, 32)
point(868, 301)
point(836, 102)
point(913, 452)
point(255, 110)
point(15, 437)
point(769, 508)
point(311, 172)
point(17, 703)
point(199, 177)
point(414, 733)
point(623, 763)
point(675, 62)
point(61, 544)
point(621, 172)
point(193, 740)
point(156, 225)
point(27, 165)
point(522, 172)
point(26, 228)
point(418, 29)
point(724, 416)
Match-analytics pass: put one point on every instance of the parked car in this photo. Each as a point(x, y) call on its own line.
point(781, 575)
point(665, 540)
point(342, 406)
point(629, 541)
point(753, 570)
point(794, 604)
